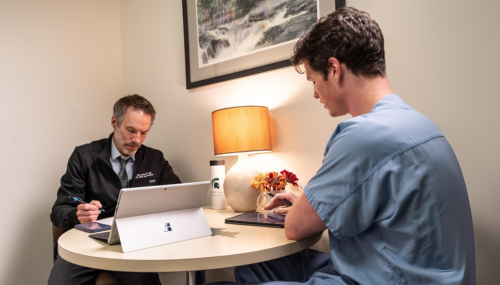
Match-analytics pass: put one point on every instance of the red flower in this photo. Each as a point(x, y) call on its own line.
point(290, 177)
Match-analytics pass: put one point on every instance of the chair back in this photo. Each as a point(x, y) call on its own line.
point(56, 233)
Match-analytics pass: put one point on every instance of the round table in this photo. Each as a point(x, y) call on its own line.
point(230, 245)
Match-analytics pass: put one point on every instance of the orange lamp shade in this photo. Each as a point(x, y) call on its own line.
point(241, 129)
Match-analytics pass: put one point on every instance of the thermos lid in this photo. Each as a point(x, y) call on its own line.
point(217, 162)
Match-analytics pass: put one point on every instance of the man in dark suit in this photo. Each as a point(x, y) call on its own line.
point(97, 172)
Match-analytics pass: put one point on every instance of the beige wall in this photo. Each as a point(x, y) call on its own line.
point(60, 73)
point(64, 63)
point(471, 77)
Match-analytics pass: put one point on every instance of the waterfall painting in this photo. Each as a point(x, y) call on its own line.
point(229, 29)
point(230, 39)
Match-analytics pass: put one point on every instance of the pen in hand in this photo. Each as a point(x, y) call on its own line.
point(284, 200)
point(78, 200)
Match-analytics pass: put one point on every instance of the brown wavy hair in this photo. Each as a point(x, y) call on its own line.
point(350, 36)
point(136, 102)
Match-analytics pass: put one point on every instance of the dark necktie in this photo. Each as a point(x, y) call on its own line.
point(123, 172)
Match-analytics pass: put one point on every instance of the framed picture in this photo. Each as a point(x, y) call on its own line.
point(229, 39)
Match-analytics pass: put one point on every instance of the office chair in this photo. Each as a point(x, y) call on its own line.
point(104, 278)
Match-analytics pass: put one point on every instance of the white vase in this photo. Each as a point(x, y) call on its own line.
point(240, 194)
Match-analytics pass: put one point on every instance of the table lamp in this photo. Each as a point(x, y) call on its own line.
point(241, 131)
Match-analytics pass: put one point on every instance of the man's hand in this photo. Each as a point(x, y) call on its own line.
point(278, 201)
point(87, 213)
point(302, 220)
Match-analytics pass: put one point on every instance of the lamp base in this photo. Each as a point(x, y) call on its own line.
point(240, 194)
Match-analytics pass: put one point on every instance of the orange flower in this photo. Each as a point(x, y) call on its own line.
point(258, 181)
point(272, 181)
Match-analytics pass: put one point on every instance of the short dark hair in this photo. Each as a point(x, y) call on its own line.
point(350, 36)
point(136, 102)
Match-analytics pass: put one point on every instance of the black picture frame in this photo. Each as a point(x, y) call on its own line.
point(267, 67)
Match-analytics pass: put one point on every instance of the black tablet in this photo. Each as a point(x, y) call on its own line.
point(262, 219)
point(93, 227)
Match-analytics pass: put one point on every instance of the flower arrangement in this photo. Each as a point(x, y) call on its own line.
point(273, 181)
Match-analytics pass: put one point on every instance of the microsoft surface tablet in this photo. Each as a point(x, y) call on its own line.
point(141, 201)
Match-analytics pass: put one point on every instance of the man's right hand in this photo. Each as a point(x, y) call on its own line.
point(87, 213)
point(278, 201)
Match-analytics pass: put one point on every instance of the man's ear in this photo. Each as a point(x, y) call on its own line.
point(335, 70)
point(113, 122)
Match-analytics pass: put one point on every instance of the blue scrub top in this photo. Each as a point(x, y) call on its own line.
point(393, 197)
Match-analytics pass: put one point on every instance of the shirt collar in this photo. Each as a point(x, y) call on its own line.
point(391, 101)
point(115, 153)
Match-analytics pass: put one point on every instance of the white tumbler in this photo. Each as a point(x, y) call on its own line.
point(217, 175)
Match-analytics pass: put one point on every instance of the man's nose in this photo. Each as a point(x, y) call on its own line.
point(137, 138)
point(315, 94)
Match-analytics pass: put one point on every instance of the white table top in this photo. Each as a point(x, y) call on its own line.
point(230, 245)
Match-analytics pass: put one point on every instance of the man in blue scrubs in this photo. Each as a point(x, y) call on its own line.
point(390, 191)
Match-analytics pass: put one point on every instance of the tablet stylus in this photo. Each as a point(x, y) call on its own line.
point(78, 200)
point(284, 200)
